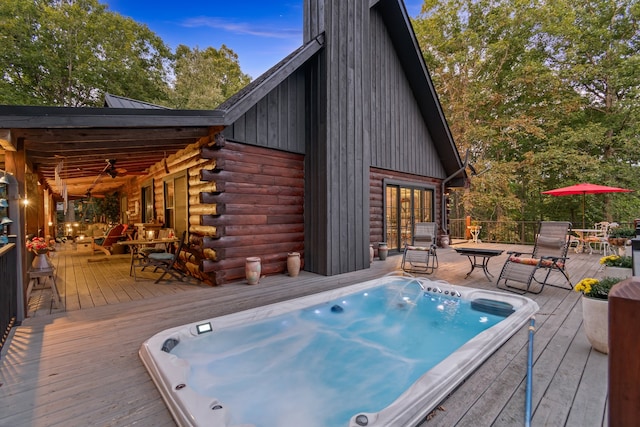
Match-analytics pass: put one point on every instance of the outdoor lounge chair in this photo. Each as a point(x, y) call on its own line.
point(549, 255)
point(113, 236)
point(421, 256)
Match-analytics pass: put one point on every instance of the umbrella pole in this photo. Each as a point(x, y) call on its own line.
point(583, 210)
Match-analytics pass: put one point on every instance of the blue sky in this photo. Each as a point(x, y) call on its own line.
point(261, 33)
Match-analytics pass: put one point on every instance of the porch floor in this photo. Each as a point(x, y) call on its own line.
point(78, 365)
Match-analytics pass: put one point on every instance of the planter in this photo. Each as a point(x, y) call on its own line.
point(383, 250)
point(621, 272)
point(595, 321)
point(252, 270)
point(444, 240)
point(40, 261)
point(293, 264)
point(371, 253)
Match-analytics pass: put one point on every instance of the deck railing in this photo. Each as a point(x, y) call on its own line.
point(8, 289)
point(522, 232)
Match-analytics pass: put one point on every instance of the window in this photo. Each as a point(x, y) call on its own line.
point(176, 199)
point(404, 206)
point(148, 214)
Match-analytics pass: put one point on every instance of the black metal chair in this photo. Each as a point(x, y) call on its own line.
point(167, 261)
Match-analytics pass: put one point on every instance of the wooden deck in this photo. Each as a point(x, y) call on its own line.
point(79, 366)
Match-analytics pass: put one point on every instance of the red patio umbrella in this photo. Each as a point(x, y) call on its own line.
point(585, 188)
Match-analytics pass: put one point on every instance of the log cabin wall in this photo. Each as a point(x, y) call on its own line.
point(259, 196)
point(191, 161)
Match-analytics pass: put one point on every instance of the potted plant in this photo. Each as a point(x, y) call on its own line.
point(617, 266)
point(40, 247)
point(618, 236)
point(595, 310)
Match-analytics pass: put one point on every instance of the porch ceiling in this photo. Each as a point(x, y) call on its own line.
point(100, 148)
point(85, 154)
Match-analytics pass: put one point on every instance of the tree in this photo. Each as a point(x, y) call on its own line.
point(594, 47)
point(206, 78)
point(522, 88)
point(69, 52)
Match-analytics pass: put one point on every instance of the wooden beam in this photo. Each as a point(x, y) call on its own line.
point(6, 142)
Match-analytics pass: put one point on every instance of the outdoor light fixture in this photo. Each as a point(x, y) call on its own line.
point(203, 328)
point(3, 237)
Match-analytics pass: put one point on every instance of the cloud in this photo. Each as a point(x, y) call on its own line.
point(244, 28)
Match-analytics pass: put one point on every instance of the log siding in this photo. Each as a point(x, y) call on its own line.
point(263, 213)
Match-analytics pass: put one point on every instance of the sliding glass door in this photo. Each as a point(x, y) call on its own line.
point(404, 206)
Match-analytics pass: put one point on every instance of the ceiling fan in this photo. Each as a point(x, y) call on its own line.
point(109, 169)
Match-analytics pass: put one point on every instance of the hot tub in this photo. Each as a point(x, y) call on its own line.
point(380, 353)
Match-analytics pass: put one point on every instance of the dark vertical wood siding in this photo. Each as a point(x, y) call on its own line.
point(400, 139)
point(276, 121)
point(340, 160)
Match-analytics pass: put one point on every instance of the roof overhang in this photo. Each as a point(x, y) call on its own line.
point(83, 140)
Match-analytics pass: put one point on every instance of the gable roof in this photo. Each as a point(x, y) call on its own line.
point(394, 15)
point(247, 97)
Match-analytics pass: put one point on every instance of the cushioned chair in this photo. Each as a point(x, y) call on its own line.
point(113, 236)
point(421, 256)
point(600, 240)
point(140, 257)
point(534, 268)
point(163, 233)
point(166, 262)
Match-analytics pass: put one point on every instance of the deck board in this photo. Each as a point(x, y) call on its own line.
point(78, 365)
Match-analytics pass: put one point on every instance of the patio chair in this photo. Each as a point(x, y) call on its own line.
point(600, 240)
point(140, 255)
point(159, 247)
point(549, 255)
point(421, 256)
point(167, 261)
point(113, 236)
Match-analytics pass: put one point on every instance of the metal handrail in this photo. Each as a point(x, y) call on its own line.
point(8, 290)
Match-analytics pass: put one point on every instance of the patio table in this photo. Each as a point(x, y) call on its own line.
point(483, 254)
